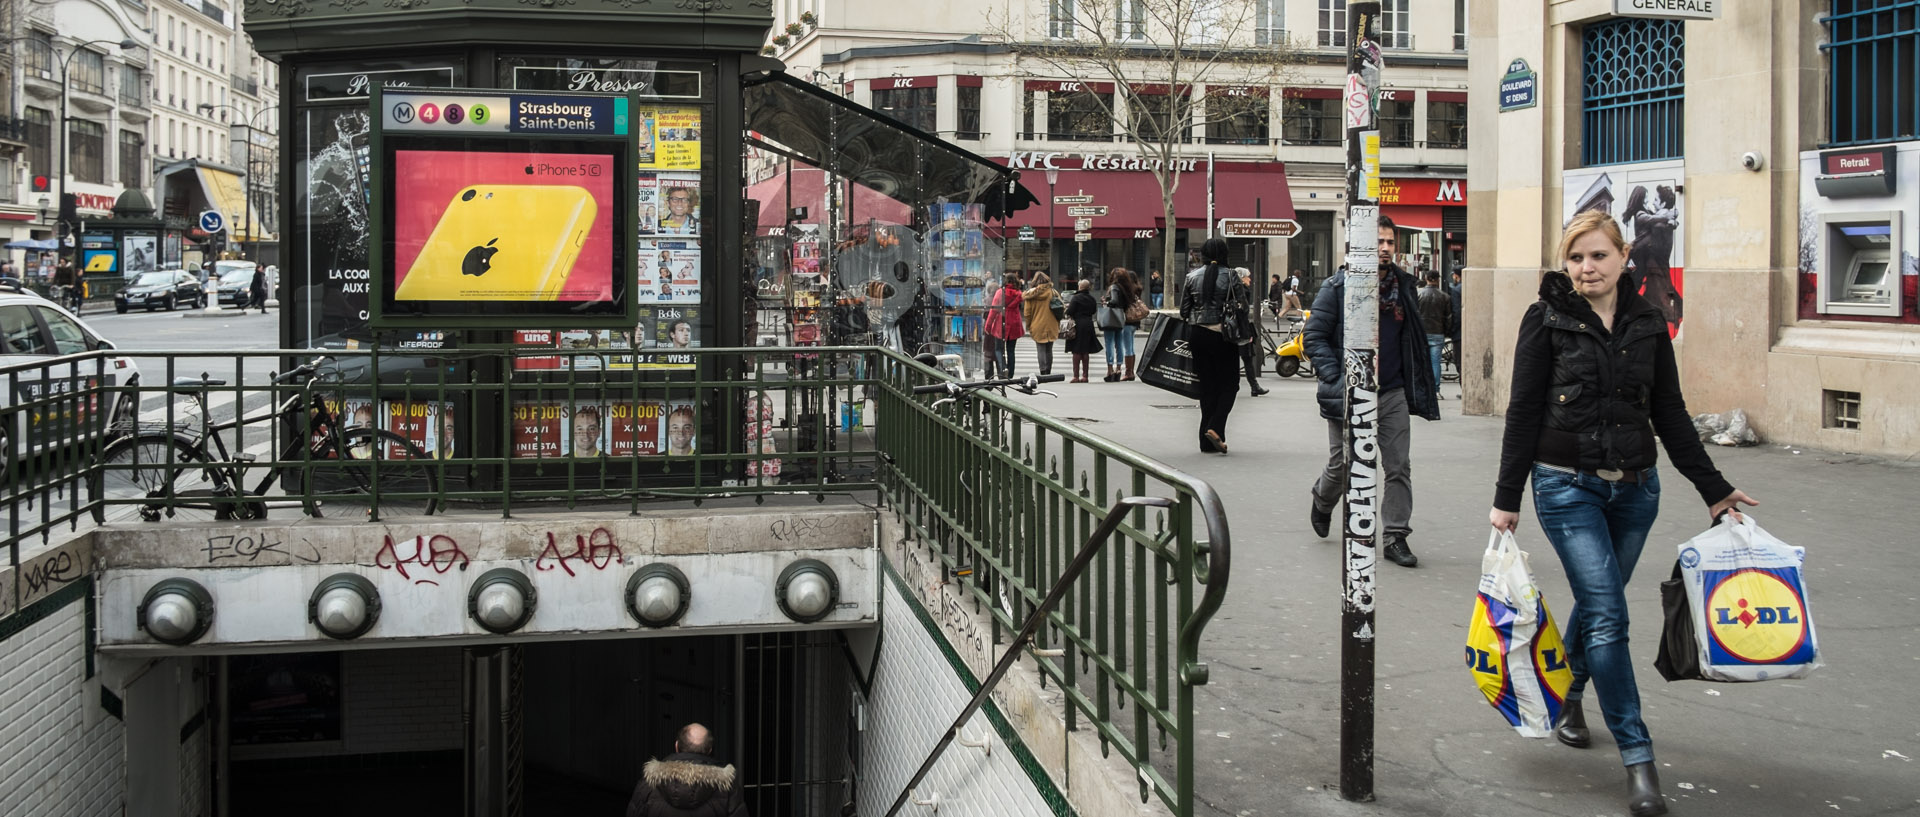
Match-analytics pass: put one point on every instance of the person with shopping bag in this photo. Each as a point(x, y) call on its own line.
point(1211, 299)
point(1593, 381)
point(1042, 324)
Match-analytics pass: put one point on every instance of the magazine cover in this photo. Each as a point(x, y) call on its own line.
point(633, 429)
point(677, 434)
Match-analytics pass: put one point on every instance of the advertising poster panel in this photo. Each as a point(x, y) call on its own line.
point(141, 251)
point(332, 196)
point(513, 204)
point(1646, 201)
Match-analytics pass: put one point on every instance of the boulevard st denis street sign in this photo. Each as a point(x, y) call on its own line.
point(1259, 227)
point(1087, 212)
point(1081, 198)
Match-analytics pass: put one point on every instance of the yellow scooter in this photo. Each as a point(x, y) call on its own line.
point(1290, 357)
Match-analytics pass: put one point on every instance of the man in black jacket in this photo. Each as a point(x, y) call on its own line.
point(689, 783)
point(1406, 388)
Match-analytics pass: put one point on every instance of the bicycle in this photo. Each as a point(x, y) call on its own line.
point(337, 467)
point(955, 390)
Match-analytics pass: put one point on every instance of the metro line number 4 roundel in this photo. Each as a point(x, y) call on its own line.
point(1756, 616)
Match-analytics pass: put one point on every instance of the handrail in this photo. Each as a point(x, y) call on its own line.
point(1095, 540)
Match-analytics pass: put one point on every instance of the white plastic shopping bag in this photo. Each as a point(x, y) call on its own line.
point(1749, 602)
point(1513, 648)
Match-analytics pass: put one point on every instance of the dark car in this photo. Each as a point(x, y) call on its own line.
point(161, 289)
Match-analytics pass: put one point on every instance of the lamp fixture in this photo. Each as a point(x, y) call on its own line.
point(176, 611)
point(344, 606)
point(502, 600)
point(658, 595)
point(807, 590)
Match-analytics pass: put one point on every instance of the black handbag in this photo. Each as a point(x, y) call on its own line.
point(1679, 658)
point(1167, 361)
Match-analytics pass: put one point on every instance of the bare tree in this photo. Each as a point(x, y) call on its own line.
point(1156, 53)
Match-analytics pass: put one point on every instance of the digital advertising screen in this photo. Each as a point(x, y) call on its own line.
point(492, 207)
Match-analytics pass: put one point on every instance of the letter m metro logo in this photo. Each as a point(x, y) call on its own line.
point(1449, 191)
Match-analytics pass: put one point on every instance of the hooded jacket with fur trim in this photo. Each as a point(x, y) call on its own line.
point(686, 784)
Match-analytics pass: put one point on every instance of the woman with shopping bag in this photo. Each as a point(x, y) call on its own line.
point(1213, 296)
point(1593, 381)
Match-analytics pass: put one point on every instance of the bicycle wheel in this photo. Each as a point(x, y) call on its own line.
point(343, 487)
point(151, 466)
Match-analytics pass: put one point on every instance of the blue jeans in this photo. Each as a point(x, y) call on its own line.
point(1435, 344)
point(1119, 344)
point(1157, 298)
point(1598, 528)
point(1000, 354)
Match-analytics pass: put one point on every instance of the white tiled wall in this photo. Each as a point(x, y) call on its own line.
point(54, 759)
point(402, 700)
point(915, 696)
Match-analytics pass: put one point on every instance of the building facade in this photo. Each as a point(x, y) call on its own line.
point(1270, 133)
point(185, 118)
point(216, 128)
point(1764, 159)
point(65, 58)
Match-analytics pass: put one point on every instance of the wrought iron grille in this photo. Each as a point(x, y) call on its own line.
point(1632, 91)
point(1873, 71)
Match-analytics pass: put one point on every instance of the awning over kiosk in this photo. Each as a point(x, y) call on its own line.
point(848, 140)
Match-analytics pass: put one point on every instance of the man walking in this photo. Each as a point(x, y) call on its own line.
point(1453, 291)
point(257, 291)
point(1436, 312)
point(1406, 388)
point(689, 783)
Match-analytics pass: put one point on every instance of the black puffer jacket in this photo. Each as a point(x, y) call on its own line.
point(1587, 398)
point(1324, 342)
point(687, 785)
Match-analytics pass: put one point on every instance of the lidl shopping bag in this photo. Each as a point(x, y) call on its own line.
point(1513, 647)
point(1749, 603)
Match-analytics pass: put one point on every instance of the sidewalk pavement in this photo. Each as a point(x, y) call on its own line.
point(1844, 741)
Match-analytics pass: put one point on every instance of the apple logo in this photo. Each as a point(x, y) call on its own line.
point(529, 168)
point(479, 260)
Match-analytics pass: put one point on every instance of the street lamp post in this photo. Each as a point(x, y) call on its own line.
point(66, 134)
point(246, 189)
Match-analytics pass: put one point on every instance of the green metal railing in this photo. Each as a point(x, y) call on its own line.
point(1002, 494)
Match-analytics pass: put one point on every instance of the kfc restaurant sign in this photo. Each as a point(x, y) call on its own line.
point(1053, 160)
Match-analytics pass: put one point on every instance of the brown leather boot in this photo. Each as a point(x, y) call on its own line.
point(1129, 374)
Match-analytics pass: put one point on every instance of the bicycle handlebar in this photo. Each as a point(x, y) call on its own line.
point(1015, 382)
point(302, 371)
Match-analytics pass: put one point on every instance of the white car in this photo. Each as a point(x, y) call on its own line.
point(34, 330)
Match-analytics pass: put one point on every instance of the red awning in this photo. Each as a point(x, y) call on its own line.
point(1413, 216)
point(809, 191)
point(1132, 198)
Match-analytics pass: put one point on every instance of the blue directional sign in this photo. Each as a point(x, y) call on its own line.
point(1519, 88)
point(212, 222)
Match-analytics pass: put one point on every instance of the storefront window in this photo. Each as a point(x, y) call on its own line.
point(1447, 124)
point(1153, 118)
point(39, 141)
point(132, 147)
point(88, 153)
point(1077, 115)
point(968, 103)
point(1312, 122)
point(915, 107)
point(1237, 120)
point(1396, 122)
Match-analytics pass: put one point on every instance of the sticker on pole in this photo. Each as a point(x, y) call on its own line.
point(1359, 103)
point(211, 221)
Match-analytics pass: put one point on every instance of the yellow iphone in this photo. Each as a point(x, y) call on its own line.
point(502, 243)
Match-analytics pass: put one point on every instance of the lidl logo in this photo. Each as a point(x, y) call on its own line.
point(1757, 616)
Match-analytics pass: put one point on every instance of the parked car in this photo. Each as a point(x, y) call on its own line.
point(234, 287)
point(34, 329)
point(165, 289)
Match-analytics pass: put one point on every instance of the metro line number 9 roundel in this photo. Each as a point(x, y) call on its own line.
point(1756, 617)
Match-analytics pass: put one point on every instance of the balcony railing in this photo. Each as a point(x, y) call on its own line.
point(13, 129)
point(983, 483)
point(250, 87)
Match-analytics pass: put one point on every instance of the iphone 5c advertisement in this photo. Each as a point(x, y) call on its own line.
point(484, 221)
